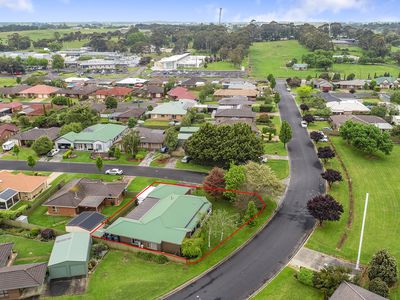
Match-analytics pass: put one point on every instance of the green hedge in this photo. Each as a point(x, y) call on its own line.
point(44, 196)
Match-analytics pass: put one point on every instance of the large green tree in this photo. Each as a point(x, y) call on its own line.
point(130, 143)
point(57, 62)
point(42, 145)
point(171, 138)
point(222, 145)
point(285, 135)
point(383, 266)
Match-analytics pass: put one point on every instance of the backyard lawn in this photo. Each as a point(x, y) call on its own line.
point(7, 81)
point(139, 183)
point(156, 124)
point(29, 251)
point(22, 155)
point(378, 176)
point(286, 286)
point(271, 57)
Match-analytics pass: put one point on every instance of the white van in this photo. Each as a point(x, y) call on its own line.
point(7, 146)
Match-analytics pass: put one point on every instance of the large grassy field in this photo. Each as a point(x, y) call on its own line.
point(285, 286)
point(271, 57)
point(7, 81)
point(378, 176)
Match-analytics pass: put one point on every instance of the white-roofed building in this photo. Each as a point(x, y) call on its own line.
point(179, 61)
point(131, 81)
point(347, 107)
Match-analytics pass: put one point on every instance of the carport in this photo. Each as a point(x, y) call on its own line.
point(70, 255)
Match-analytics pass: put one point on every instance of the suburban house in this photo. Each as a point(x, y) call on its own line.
point(80, 92)
point(186, 132)
point(5, 253)
point(387, 82)
point(99, 138)
point(193, 82)
point(10, 92)
point(356, 84)
point(224, 93)
point(347, 107)
point(26, 138)
point(230, 122)
point(151, 139)
point(323, 85)
point(83, 194)
point(338, 120)
point(179, 92)
point(170, 111)
point(125, 115)
point(300, 67)
point(131, 82)
point(161, 221)
point(36, 109)
point(27, 186)
point(174, 62)
point(158, 81)
point(70, 255)
point(40, 91)
point(86, 221)
point(10, 108)
point(349, 291)
point(116, 92)
point(7, 130)
point(153, 91)
point(235, 102)
point(238, 84)
point(235, 113)
point(22, 281)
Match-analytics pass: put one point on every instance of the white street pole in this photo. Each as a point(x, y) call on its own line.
point(362, 232)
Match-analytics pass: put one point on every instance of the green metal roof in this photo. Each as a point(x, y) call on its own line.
point(380, 80)
point(70, 247)
point(98, 132)
point(169, 220)
point(169, 108)
point(164, 190)
point(184, 136)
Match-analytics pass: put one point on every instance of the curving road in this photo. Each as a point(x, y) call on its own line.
point(275, 245)
point(162, 173)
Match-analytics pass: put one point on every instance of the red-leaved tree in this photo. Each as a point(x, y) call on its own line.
point(213, 181)
point(325, 208)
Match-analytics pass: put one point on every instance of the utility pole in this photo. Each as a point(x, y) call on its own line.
point(362, 232)
point(220, 16)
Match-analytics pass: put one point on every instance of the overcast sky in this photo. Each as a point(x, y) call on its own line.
point(198, 11)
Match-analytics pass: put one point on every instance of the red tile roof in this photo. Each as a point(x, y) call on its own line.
point(181, 93)
point(115, 91)
point(8, 127)
point(40, 89)
point(11, 105)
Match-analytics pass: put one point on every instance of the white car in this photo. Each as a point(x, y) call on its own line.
point(114, 172)
point(185, 159)
point(289, 89)
point(53, 152)
point(303, 124)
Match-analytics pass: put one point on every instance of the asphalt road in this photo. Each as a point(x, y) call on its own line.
point(161, 173)
point(275, 245)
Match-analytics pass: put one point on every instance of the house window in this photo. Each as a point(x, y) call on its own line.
point(3, 294)
point(153, 246)
point(54, 209)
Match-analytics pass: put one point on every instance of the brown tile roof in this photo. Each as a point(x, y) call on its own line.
point(366, 119)
point(235, 100)
point(20, 182)
point(35, 133)
point(40, 89)
point(11, 105)
point(8, 127)
point(5, 252)
point(13, 90)
point(133, 112)
point(227, 121)
point(87, 191)
point(22, 276)
point(155, 89)
point(150, 136)
point(115, 91)
point(233, 92)
point(351, 291)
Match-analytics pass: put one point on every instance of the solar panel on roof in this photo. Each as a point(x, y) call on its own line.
point(7, 194)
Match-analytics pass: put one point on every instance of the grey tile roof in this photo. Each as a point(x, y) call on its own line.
point(35, 133)
point(22, 276)
point(142, 208)
point(235, 113)
point(150, 136)
point(5, 252)
point(13, 90)
point(349, 291)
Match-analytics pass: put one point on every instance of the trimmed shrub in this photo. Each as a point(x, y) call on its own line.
point(47, 234)
point(67, 154)
point(159, 259)
point(266, 107)
point(191, 247)
point(378, 286)
point(305, 276)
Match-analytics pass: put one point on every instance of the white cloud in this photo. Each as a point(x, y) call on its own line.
point(309, 10)
point(21, 5)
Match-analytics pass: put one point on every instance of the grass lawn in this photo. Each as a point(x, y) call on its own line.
point(192, 166)
point(7, 81)
point(156, 124)
point(29, 251)
point(378, 176)
point(147, 280)
point(22, 155)
point(286, 286)
point(139, 183)
point(109, 210)
point(271, 57)
point(318, 125)
point(39, 217)
point(275, 148)
point(221, 66)
point(49, 33)
point(84, 156)
point(280, 167)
